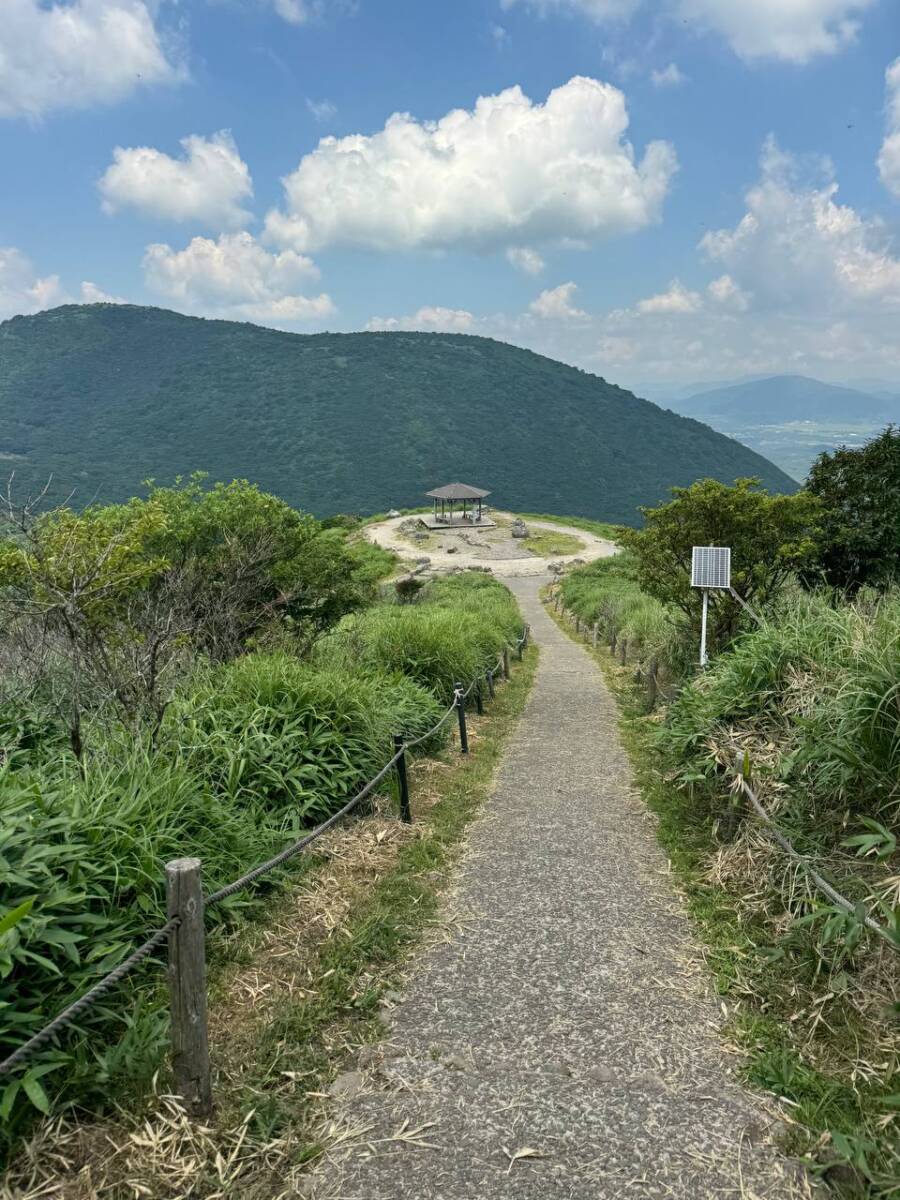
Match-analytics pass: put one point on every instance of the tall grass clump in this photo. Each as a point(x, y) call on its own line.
point(607, 592)
point(456, 629)
point(282, 738)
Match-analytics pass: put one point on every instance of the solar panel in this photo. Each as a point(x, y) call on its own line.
point(711, 567)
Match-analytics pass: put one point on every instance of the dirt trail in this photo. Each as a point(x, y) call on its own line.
point(513, 559)
point(561, 1043)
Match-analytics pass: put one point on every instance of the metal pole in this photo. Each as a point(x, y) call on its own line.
point(490, 683)
point(703, 655)
point(461, 713)
point(596, 631)
point(506, 662)
point(403, 780)
point(479, 699)
point(187, 986)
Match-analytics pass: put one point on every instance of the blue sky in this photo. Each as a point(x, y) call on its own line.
point(655, 190)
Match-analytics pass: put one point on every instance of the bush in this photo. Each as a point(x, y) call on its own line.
point(457, 630)
point(278, 737)
point(817, 690)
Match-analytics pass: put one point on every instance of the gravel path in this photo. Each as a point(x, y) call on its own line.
point(564, 1014)
point(509, 558)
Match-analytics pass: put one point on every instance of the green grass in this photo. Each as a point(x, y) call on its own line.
point(271, 1104)
point(547, 543)
point(602, 529)
point(774, 974)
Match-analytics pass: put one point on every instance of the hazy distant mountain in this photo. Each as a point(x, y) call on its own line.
point(104, 396)
point(791, 418)
point(782, 399)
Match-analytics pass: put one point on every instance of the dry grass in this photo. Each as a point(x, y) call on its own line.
point(152, 1149)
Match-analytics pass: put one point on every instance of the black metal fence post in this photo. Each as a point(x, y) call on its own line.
point(490, 683)
point(461, 713)
point(506, 662)
point(479, 699)
point(403, 780)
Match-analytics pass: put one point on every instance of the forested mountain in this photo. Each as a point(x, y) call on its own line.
point(104, 396)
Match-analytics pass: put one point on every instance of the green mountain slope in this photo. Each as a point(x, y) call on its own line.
point(104, 396)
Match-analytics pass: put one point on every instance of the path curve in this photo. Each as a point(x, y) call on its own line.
point(565, 1014)
point(384, 533)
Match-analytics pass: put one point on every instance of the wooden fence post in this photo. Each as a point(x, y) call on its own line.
point(187, 986)
point(461, 712)
point(403, 780)
point(596, 631)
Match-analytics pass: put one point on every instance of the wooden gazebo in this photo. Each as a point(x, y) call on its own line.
point(455, 494)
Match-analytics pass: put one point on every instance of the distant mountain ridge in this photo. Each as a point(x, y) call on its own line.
point(791, 418)
point(104, 396)
point(781, 399)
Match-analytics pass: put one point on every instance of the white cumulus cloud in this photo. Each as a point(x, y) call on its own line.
point(889, 158)
point(206, 185)
point(670, 76)
point(507, 172)
point(727, 293)
point(791, 30)
point(92, 294)
point(78, 54)
point(676, 300)
point(555, 304)
point(429, 318)
point(22, 290)
point(523, 258)
point(796, 246)
point(237, 278)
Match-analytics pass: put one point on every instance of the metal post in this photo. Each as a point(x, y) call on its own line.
point(490, 683)
point(461, 713)
point(596, 631)
point(187, 986)
point(506, 662)
point(704, 658)
point(479, 699)
point(578, 624)
point(403, 780)
point(519, 646)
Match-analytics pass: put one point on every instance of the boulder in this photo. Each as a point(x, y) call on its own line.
point(518, 529)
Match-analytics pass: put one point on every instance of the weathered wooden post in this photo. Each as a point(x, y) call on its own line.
point(402, 780)
point(461, 713)
point(595, 633)
point(187, 986)
point(506, 662)
point(652, 683)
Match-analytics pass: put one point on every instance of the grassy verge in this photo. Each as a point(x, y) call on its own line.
point(803, 1040)
point(600, 528)
point(547, 543)
point(304, 998)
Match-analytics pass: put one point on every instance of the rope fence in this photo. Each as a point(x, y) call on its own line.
point(186, 907)
point(820, 882)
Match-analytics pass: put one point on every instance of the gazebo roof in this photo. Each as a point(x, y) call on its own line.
point(458, 491)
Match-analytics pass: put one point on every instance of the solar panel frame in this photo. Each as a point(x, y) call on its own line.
point(711, 567)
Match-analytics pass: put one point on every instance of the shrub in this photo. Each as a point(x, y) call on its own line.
point(281, 738)
point(456, 630)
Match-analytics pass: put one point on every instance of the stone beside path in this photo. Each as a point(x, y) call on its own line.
point(562, 1040)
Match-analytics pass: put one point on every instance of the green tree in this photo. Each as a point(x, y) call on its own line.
point(770, 538)
point(859, 491)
